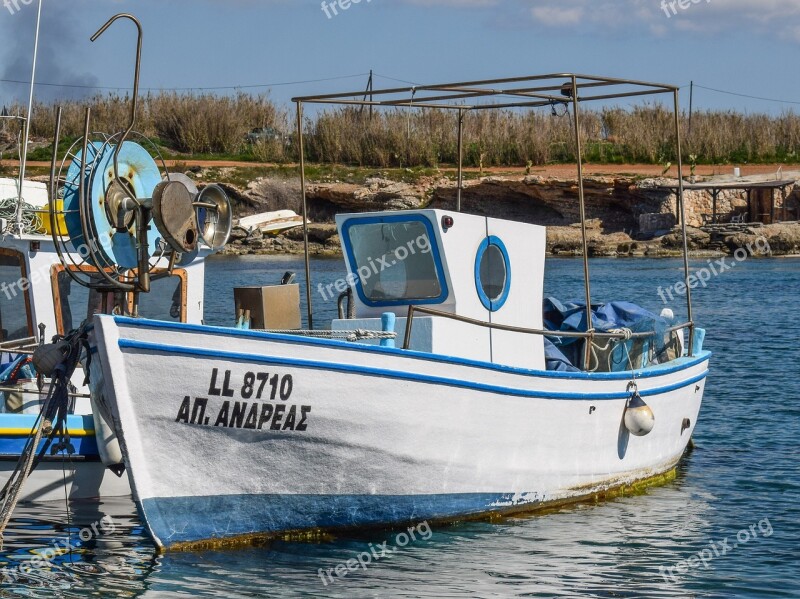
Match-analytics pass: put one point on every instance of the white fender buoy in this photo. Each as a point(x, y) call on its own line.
point(107, 442)
point(639, 418)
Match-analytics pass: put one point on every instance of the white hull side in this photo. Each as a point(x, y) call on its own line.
point(389, 436)
point(83, 481)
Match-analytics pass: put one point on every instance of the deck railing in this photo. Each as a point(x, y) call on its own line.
point(590, 334)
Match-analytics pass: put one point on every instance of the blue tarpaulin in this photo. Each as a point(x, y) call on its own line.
point(555, 359)
point(20, 368)
point(571, 316)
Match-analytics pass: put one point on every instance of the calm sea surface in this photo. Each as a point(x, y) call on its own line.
point(737, 495)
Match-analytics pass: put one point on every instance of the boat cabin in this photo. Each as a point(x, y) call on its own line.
point(466, 265)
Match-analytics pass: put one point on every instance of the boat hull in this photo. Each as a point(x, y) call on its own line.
point(80, 480)
point(238, 434)
point(80, 476)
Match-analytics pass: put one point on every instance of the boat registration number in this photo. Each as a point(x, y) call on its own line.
point(261, 414)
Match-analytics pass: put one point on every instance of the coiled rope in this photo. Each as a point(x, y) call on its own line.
point(31, 216)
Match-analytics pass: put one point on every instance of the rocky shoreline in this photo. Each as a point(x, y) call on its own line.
point(627, 217)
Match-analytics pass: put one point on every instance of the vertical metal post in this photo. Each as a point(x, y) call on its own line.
point(23, 161)
point(749, 206)
point(460, 158)
point(783, 201)
point(53, 191)
point(584, 237)
point(305, 212)
point(691, 105)
point(409, 324)
point(714, 194)
point(678, 149)
point(771, 206)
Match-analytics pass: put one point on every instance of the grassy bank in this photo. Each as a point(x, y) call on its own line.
point(216, 127)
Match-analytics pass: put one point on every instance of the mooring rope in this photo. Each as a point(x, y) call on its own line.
point(352, 336)
point(627, 335)
point(51, 421)
point(13, 488)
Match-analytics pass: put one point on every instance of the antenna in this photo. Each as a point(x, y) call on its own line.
point(23, 163)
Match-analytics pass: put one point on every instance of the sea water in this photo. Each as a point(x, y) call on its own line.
point(726, 527)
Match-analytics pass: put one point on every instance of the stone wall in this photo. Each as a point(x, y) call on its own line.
point(620, 204)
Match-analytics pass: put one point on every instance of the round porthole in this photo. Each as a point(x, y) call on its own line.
point(492, 273)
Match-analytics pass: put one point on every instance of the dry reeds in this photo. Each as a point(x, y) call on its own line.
point(218, 125)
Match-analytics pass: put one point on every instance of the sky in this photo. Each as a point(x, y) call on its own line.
point(747, 47)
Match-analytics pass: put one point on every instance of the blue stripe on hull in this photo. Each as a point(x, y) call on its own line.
point(398, 375)
point(13, 446)
point(191, 519)
point(650, 372)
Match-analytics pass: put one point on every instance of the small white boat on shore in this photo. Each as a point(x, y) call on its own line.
point(270, 223)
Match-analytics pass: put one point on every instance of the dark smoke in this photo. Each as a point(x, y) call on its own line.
point(57, 40)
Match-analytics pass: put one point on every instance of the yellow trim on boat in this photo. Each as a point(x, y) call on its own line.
point(24, 432)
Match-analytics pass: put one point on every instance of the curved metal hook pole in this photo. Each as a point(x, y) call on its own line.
point(135, 102)
point(142, 213)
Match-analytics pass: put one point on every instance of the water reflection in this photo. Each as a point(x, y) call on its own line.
point(743, 470)
point(586, 549)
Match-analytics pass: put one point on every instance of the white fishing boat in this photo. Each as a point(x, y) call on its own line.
point(263, 433)
point(230, 435)
point(270, 223)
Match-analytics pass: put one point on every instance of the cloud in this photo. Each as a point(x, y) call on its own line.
point(772, 17)
point(558, 16)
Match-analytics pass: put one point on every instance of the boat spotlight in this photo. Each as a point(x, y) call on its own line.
point(214, 216)
point(639, 418)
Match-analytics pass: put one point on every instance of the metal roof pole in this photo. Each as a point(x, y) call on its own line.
point(460, 158)
point(305, 213)
point(683, 221)
point(584, 238)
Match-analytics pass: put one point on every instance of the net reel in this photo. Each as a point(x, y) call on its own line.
point(118, 217)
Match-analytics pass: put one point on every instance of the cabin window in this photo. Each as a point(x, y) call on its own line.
point(395, 260)
point(492, 273)
point(75, 303)
point(15, 311)
point(166, 300)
